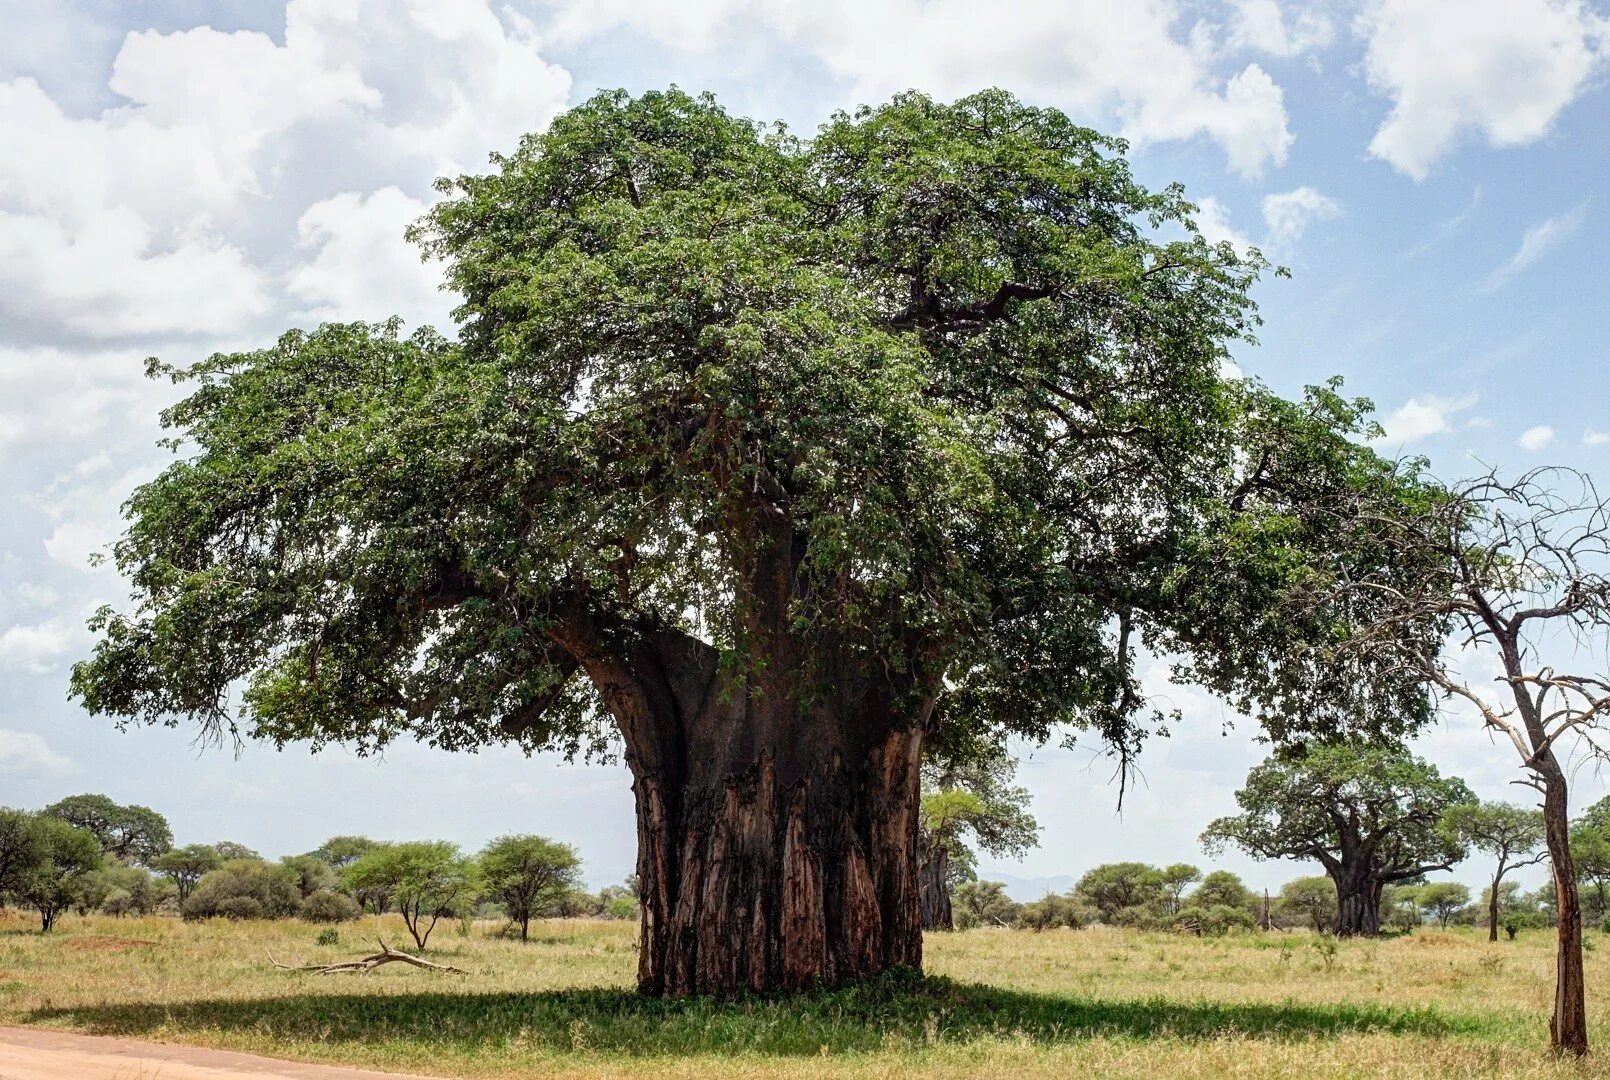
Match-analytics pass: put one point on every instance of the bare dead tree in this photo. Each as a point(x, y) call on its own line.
point(364, 965)
point(1513, 572)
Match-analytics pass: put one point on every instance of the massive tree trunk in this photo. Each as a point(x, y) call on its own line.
point(776, 817)
point(1569, 1027)
point(1358, 901)
point(780, 877)
point(935, 889)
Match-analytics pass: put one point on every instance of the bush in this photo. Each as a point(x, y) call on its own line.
point(239, 907)
point(622, 907)
point(1056, 910)
point(329, 936)
point(1215, 920)
point(328, 907)
point(272, 889)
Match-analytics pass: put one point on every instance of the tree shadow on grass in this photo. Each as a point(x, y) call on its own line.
point(902, 1007)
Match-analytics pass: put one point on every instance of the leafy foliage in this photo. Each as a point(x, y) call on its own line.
point(426, 879)
point(529, 875)
point(127, 833)
point(244, 889)
point(1331, 802)
point(967, 366)
point(186, 866)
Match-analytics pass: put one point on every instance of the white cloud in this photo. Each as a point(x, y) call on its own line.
point(1504, 68)
point(1539, 240)
point(157, 217)
point(1422, 417)
point(1288, 215)
point(1280, 30)
point(1536, 438)
point(1140, 65)
point(1213, 220)
point(1591, 437)
point(37, 648)
point(363, 268)
point(25, 752)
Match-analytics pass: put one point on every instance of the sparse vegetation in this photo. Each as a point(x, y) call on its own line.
point(1100, 1001)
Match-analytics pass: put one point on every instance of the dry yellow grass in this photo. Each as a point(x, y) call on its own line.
point(1095, 1002)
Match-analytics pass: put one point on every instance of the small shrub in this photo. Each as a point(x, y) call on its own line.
point(328, 907)
point(329, 936)
point(272, 888)
point(240, 907)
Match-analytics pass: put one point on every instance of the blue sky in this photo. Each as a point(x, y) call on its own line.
point(182, 177)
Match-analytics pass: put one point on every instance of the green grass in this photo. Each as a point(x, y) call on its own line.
point(996, 1003)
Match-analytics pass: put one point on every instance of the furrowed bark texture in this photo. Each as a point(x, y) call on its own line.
point(777, 825)
point(935, 890)
point(1569, 1027)
point(1358, 902)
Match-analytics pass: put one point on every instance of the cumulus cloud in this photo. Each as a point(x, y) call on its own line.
point(1422, 417)
point(1536, 438)
point(1278, 29)
point(25, 752)
point(1213, 220)
point(1141, 65)
point(1539, 240)
point(1500, 68)
point(156, 218)
point(1591, 437)
point(37, 648)
point(361, 267)
point(1287, 216)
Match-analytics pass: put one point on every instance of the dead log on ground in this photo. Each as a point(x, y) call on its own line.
point(386, 955)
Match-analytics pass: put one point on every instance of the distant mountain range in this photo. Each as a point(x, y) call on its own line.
point(1026, 889)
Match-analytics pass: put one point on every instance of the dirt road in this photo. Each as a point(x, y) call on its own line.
point(35, 1054)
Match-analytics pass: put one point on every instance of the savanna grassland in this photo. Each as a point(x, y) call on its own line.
point(995, 1003)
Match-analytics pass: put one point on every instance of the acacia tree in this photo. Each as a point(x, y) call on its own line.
point(527, 873)
point(1442, 900)
point(774, 460)
point(127, 833)
point(1511, 834)
point(1369, 815)
point(974, 800)
point(1518, 571)
point(69, 858)
point(426, 879)
point(187, 865)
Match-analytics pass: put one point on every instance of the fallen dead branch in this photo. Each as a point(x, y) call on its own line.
point(386, 955)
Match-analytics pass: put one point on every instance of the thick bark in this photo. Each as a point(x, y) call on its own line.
point(777, 823)
point(1358, 901)
point(772, 879)
point(935, 890)
point(1492, 905)
point(1569, 1027)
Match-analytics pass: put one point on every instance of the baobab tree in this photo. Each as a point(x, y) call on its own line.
point(1516, 571)
point(1369, 815)
point(767, 461)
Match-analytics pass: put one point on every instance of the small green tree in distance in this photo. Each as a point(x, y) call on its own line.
point(185, 866)
point(1512, 835)
point(1369, 815)
point(340, 852)
point(1310, 901)
point(1444, 900)
point(528, 875)
point(426, 879)
point(968, 801)
point(69, 858)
